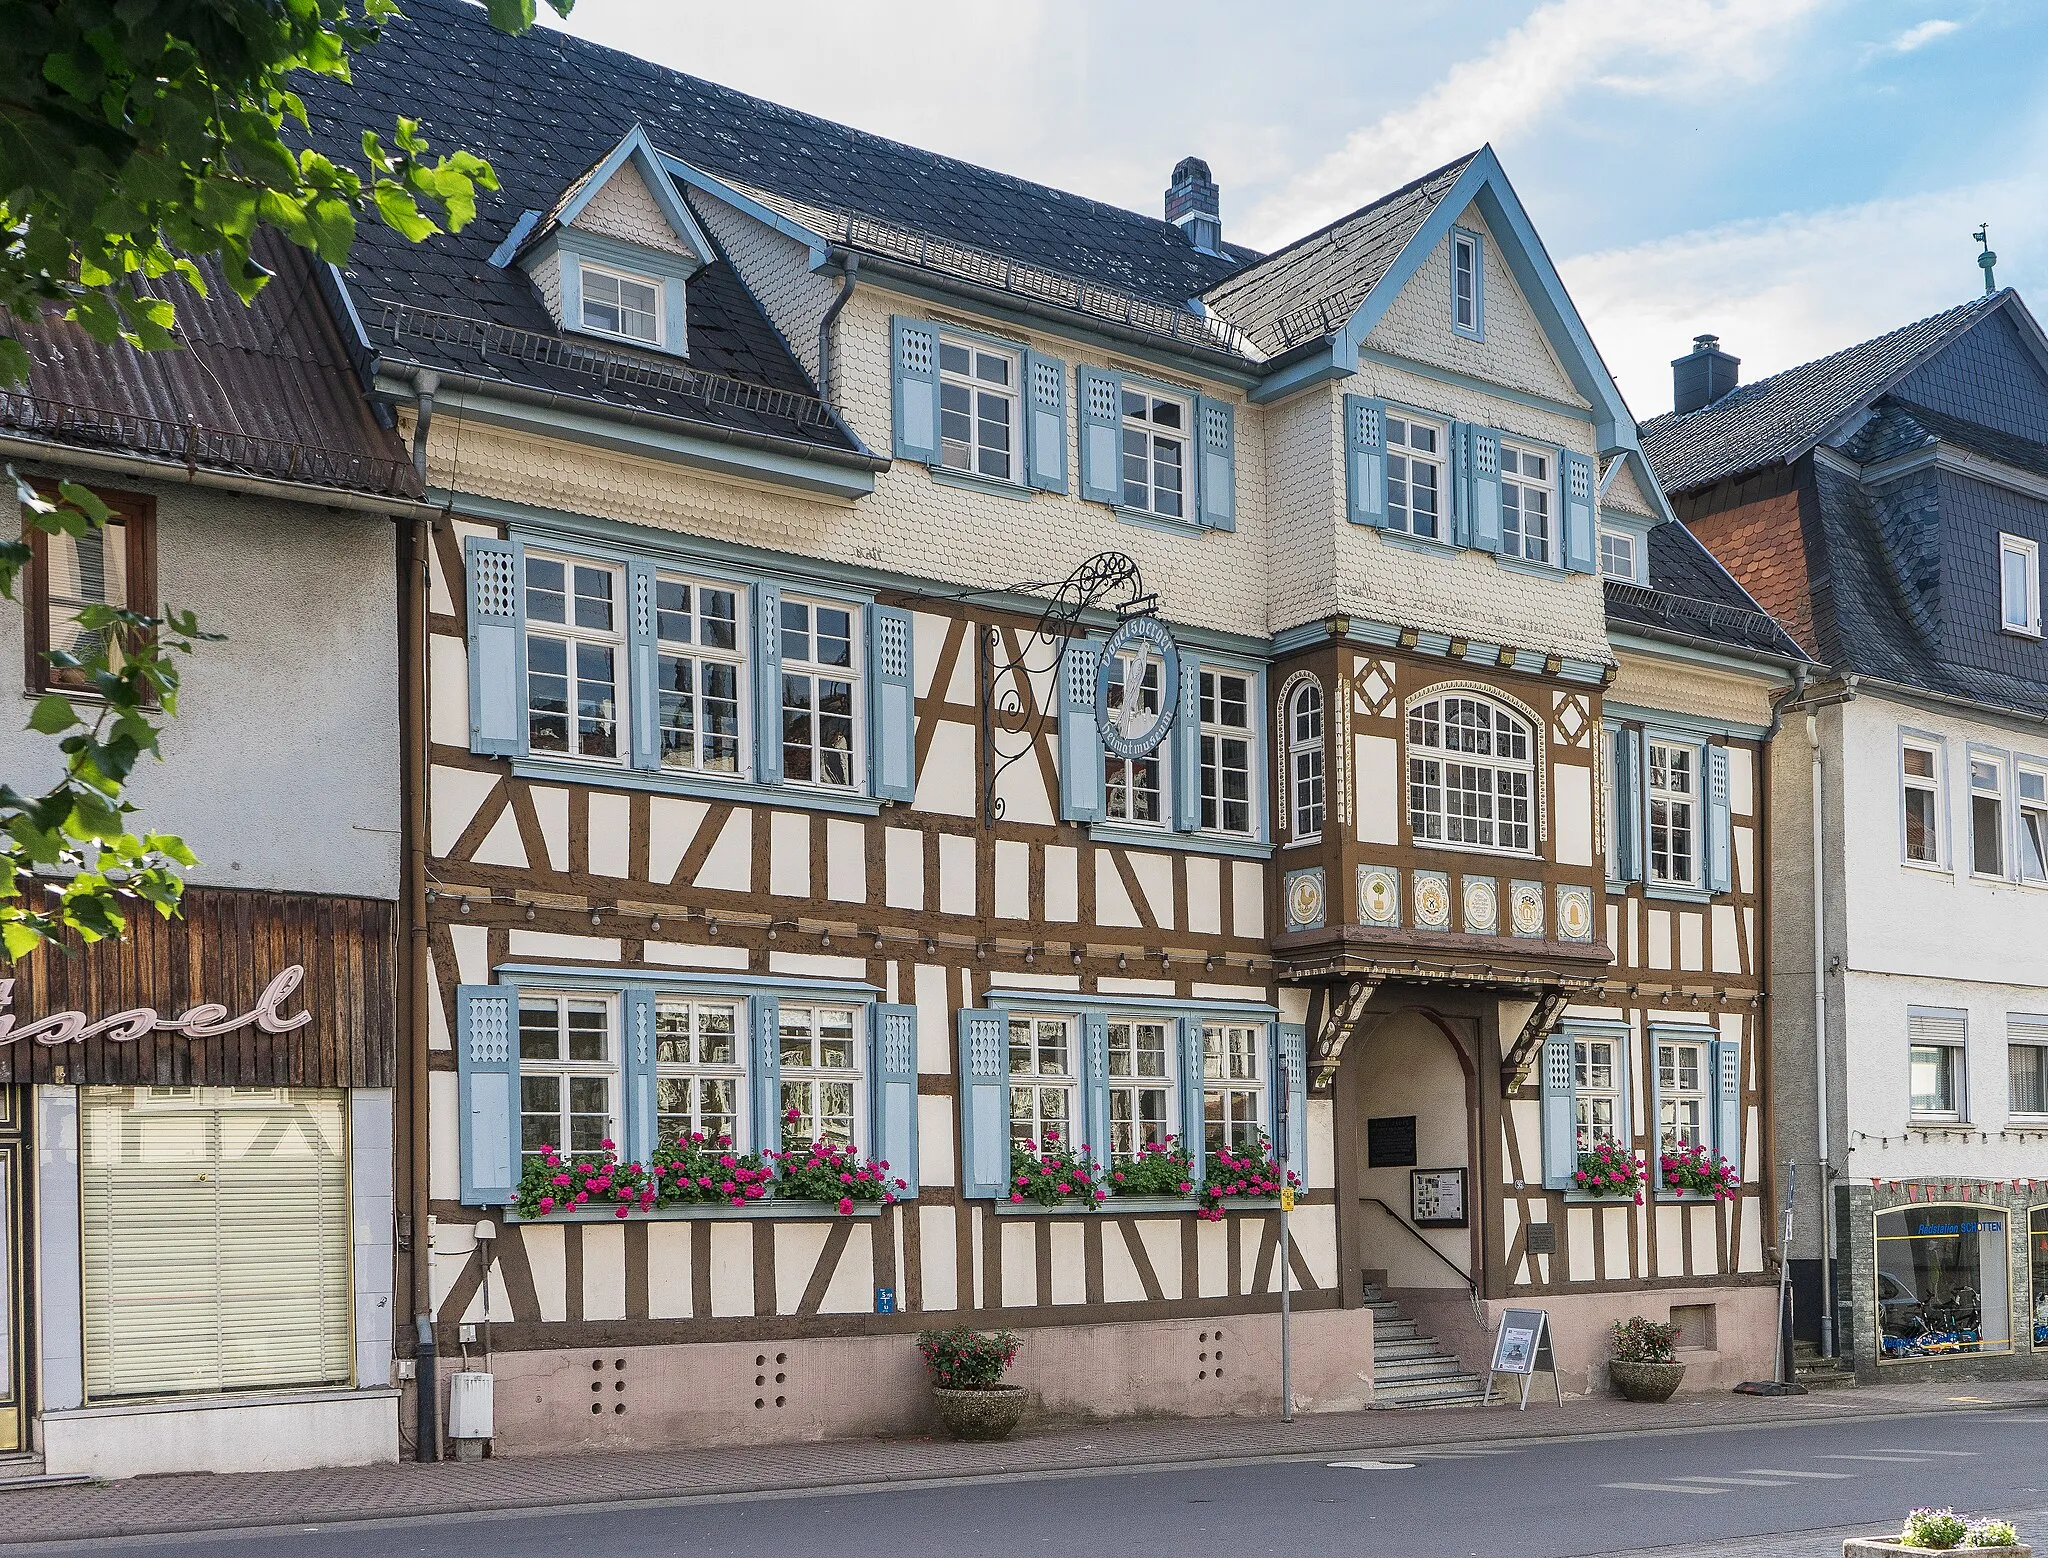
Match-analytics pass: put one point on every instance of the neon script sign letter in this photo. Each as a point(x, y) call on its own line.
point(208, 1020)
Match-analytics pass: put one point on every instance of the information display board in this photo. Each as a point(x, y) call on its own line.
point(1522, 1347)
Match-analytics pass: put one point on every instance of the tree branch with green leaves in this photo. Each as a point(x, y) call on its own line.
point(138, 137)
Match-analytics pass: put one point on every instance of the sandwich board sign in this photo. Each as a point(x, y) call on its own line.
point(1522, 1347)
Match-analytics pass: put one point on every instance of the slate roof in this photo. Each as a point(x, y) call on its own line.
point(546, 106)
point(1781, 417)
point(1691, 594)
point(265, 390)
point(1899, 425)
point(1313, 286)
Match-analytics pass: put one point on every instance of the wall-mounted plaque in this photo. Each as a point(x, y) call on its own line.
point(1436, 1198)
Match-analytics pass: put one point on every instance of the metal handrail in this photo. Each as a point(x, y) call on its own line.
point(1471, 1285)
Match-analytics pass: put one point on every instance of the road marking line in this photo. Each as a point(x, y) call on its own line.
point(1882, 1460)
point(1816, 1476)
point(1660, 1487)
point(1738, 1482)
point(1375, 1465)
point(1970, 1453)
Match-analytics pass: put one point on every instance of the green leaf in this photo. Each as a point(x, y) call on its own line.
point(20, 936)
point(513, 16)
point(85, 500)
point(401, 212)
point(53, 712)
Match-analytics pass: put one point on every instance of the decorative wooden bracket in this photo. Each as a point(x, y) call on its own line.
point(1514, 1069)
point(1341, 1019)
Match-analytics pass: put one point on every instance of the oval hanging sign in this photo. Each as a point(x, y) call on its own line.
point(1137, 687)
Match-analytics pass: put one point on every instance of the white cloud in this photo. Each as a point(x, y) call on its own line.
point(1784, 290)
point(1920, 35)
point(1528, 75)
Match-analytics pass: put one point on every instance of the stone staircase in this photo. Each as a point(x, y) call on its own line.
point(1411, 1370)
point(1815, 1372)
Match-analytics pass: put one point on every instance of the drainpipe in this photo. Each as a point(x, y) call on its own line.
point(825, 327)
point(426, 384)
point(1820, 1033)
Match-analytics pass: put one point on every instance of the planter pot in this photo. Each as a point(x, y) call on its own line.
point(1645, 1381)
point(980, 1414)
point(1879, 1547)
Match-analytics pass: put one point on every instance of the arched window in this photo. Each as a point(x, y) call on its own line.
point(1305, 759)
point(1470, 773)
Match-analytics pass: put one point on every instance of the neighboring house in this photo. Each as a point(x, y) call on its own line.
point(927, 660)
point(1889, 504)
point(196, 1220)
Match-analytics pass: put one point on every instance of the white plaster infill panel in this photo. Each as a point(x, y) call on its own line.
point(285, 1432)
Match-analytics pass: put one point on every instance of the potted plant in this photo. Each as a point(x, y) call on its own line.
point(1643, 1367)
point(967, 1381)
point(1943, 1531)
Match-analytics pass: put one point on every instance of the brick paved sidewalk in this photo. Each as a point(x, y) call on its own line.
point(159, 1505)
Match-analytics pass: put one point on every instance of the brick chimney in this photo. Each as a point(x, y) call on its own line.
point(1703, 375)
point(1192, 205)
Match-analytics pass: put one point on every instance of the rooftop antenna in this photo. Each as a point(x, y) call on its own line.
point(1989, 257)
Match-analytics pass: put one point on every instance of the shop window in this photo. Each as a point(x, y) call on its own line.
point(215, 1228)
point(1941, 1282)
point(111, 566)
point(2037, 1249)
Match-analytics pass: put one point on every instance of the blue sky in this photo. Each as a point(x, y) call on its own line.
point(1794, 175)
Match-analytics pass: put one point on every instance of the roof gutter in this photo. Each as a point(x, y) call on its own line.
point(768, 443)
point(1800, 668)
point(176, 471)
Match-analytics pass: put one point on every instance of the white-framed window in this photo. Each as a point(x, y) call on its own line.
point(979, 413)
point(1938, 1041)
point(821, 693)
point(1233, 1084)
point(568, 1072)
point(1415, 476)
point(1684, 1075)
point(1920, 778)
point(701, 637)
point(627, 306)
point(1226, 751)
point(2030, 786)
point(2026, 1059)
point(700, 1070)
point(2019, 585)
point(575, 649)
point(1043, 1080)
point(1134, 788)
point(1140, 1084)
point(1618, 555)
point(1987, 815)
point(1305, 759)
point(821, 1092)
point(1156, 452)
point(1610, 822)
point(1467, 303)
point(1526, 477)
point(1596, 1092)
point(1471, 772)
point(1674, 813)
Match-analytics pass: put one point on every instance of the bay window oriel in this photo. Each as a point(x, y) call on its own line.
point(1471, 774)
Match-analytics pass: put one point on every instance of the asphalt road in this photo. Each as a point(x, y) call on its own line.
point(1516, 1499)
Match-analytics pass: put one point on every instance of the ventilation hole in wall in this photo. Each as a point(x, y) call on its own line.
point(782, 1379)
point(761, 1361)
point(597, 1384)
point(1203, 1375)
point(760, 1379)
point(620, 1408)
point(597, 1363)
point(620, 1385)
point(782, 1357)
point(1219, 1371)
point(778, 1400)
point(596, 1407)
point(618, 1363)
point(1204, 1358)
point(1205, 1336)
point(759, 1403)
point(1219, 1336)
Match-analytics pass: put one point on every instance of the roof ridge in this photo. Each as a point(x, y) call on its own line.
point(571, 40)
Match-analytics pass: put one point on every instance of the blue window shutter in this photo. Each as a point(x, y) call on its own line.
point(487, 1077)
point(1727, 1055)
point(892, 1062)
point(643, 696)
point(765, 1074)
point(1191, 1096)
point(1045, 421)
point(1216, 463)
point(1365, 460)
point(1101, 421)
point(1628, 805)
point(1483, 486)
point(916, 388)
point(1581, 546)
point(497, 646)
point(1093, 1125)
point(636, 1045)
point(1080, 740)
point(1719, 838)
point(892, 724)
point(1186, 736)
point(767, 684)
point(1560, 1114)
point(1457, 515)
point(1291, 1045)
point(984, 1095)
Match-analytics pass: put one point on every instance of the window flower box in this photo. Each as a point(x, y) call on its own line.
point(700, 1175)
point(1608, 1172)
point(1696, 1173)
point(1243, 1176)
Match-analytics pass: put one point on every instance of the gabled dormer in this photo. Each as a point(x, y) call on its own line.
point(613, 259)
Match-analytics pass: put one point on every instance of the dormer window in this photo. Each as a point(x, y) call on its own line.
point(1618, 555)
point(2019, 585)
point(628, 307)
point(1468, 306)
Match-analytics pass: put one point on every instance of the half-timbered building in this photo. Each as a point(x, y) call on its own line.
point(922, 660)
